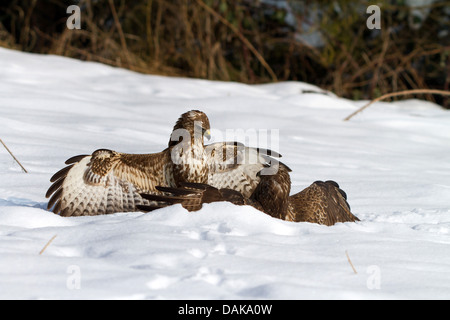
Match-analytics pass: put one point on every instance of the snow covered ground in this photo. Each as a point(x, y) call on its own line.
point(393, 160)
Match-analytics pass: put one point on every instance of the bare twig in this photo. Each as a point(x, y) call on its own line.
point(350, 261)
point(121, 34)
point(241, 37)
point(380, 60)
point(25, 170)
point(395, 94)
point(48, 243)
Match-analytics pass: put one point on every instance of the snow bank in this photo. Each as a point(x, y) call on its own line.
point(393, 161)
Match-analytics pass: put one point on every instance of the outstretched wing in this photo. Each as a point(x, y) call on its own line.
point(107, 182)
point(192, 196)
point(235, 166)
point(322, 202)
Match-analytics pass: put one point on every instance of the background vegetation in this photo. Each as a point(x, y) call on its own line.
point(326, 43)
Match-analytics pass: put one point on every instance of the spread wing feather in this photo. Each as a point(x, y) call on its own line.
point(192, 196)
point(321, 202)
point(107, 182)
point(235, 166)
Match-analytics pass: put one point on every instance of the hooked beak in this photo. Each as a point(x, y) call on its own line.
point(207, 134)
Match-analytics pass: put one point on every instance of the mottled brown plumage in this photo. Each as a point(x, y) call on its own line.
point(192, 196)
point(108, 181)
point(190, 173)
point(322, 202)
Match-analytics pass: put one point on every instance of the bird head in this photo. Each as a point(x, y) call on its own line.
point(193, 124)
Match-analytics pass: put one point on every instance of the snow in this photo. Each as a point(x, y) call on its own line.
point(393, 161)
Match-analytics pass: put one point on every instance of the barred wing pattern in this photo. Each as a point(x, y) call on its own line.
point(107, 182)
point(192, 196)
point(235, 166)
point(322, 203)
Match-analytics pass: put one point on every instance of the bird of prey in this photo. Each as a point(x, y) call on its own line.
point(108, 181)
point(322, 202)
point(190, 173)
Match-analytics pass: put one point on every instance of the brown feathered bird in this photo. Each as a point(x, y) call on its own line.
point(108, 181)
point(321, 202)
point(190, 173)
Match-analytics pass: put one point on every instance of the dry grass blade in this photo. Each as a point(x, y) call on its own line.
point(48, 243)
point(395, 94)
point(25, 170)
point(119, 28)
point(350, 261)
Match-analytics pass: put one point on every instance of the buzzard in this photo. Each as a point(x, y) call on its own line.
point(190, 173)
point(108, 181)
point(322, 202)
